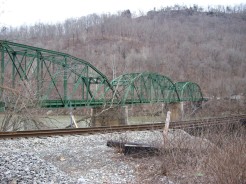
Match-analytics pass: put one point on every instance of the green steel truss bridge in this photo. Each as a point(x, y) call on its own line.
point(56, 79)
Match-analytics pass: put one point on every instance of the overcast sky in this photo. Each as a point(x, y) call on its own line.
point(28, 12)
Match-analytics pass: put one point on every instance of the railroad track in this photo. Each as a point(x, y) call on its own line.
point(156, 126)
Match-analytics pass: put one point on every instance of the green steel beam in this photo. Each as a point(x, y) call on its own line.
point(2, 70)
point(65, 79)
point(13, 69)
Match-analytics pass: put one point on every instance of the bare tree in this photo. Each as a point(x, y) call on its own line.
point(22, 110)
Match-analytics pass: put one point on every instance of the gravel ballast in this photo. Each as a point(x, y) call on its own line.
point(23, 167)
point(73, 159)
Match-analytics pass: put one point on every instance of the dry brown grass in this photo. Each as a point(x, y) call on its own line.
point(228, 163)
point(223, 162)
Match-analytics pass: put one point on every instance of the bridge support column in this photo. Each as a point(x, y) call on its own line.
point(177, 111)
point(109, 116)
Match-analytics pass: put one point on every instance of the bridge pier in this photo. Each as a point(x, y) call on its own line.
point(177, 111)
point(103, 116)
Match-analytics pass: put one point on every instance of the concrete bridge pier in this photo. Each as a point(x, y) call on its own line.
point(105, 116)
point(177, 111)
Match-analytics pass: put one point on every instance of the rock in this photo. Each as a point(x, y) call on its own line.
point(14, 181)
point(81, 180)
point(61, 158)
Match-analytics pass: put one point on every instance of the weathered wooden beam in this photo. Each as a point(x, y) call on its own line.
point(116, 144)
point(130, 148)
point(139, 149)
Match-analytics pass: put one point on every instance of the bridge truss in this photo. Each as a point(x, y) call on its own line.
point(56, 79)
point(135, 88)
point(189, 91)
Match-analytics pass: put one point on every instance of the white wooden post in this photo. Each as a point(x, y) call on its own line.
point(73, 120)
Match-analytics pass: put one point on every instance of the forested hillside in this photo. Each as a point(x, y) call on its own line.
point(206, 47)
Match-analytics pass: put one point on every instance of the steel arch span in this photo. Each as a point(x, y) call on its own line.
point(146, 87)
point(55, 79)
point(189, 91)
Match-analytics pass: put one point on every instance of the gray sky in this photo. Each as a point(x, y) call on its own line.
point(19, 12)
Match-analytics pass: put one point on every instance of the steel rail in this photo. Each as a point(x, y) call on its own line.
point(153, 126)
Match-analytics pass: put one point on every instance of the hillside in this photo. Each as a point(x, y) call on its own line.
point(206, 47)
